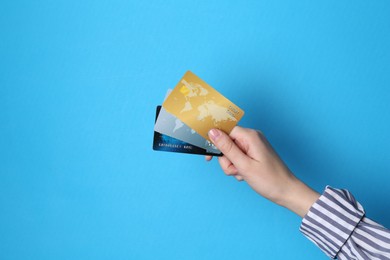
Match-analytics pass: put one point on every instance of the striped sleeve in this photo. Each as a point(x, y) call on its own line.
point(337, 224)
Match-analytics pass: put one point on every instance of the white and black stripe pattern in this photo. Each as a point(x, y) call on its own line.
point(336, 223)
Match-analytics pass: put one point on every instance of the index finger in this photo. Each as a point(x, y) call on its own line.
point(229, 148)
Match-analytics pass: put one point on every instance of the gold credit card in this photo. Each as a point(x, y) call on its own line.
point(201, 107)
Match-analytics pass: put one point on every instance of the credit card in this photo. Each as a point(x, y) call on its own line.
point(201, 107)
point(166, 143)
point(169, 125)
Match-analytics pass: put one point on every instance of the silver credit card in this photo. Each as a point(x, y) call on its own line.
point(170, 125)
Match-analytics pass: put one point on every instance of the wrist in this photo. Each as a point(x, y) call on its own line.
point(299, 197)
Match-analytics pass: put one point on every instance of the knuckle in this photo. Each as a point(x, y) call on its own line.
point(254, 133)
point(228, 170)
point(260, 134)
point(251, 133)
point(228, 173)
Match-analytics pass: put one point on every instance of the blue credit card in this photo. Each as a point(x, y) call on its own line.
point(166, 143)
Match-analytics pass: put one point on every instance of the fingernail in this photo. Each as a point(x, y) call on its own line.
point(214, 133)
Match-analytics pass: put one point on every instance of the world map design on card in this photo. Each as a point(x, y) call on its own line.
point(169, 125)
point(201, 107)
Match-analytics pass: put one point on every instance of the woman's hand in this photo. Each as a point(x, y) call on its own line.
point(250, 157)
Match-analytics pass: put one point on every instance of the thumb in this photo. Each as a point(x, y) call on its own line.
point(229, 149)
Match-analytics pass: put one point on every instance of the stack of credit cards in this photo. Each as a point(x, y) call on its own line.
point(189, 111)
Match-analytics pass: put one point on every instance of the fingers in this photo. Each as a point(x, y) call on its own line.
point(208, 157)
point(227, 146)
point(237, 131)
point(227, 166)
point(237, 148)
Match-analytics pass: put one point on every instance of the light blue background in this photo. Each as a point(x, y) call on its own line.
point(79, 83)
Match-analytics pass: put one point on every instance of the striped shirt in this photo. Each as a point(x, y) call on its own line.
point(337, 224)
